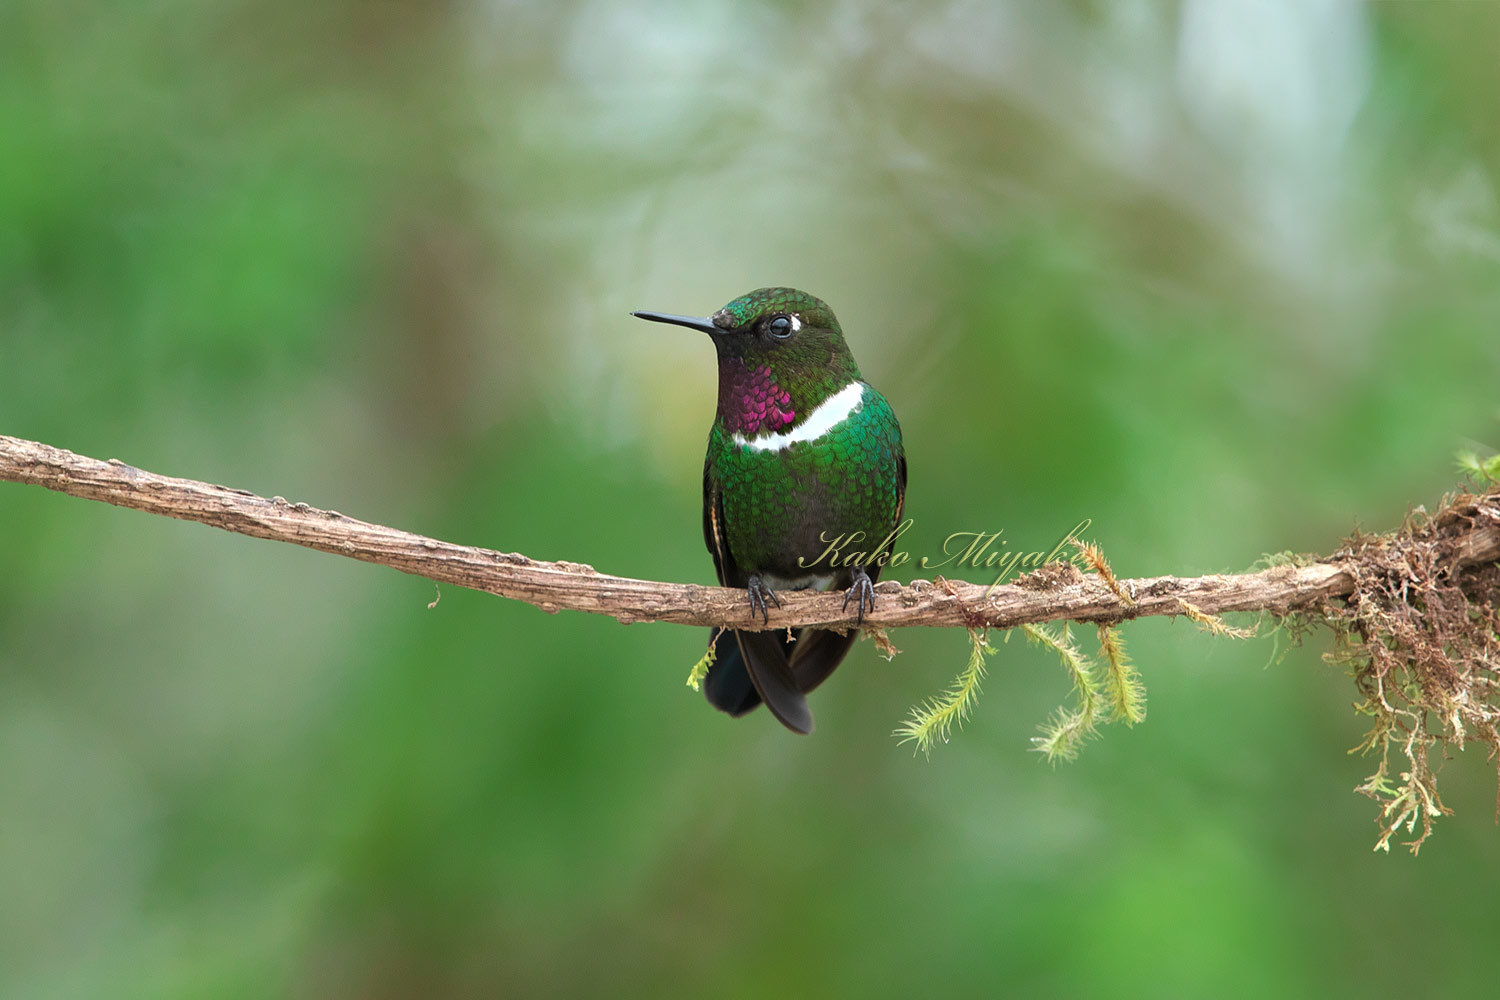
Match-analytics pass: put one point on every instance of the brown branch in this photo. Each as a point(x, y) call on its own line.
point(556, 586)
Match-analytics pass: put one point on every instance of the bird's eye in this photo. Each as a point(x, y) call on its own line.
point(781, 327)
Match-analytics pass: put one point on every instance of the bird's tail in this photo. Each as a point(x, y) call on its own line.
point(810, 655)
point(751, 667)
point(728, 685)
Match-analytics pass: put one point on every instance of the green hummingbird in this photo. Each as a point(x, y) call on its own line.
point(802, 450)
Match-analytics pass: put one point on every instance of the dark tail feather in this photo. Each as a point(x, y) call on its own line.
point(728, 684)
point(771, 673)
point(813, 657)
point(817, 653)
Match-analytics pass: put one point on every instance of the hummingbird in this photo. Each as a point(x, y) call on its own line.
point(802, 450)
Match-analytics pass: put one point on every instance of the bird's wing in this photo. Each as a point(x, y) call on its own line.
point(713, 531)
point(900, 484)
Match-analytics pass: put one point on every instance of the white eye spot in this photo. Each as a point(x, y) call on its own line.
point(796, 324)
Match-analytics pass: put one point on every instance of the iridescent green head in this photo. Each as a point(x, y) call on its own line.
point(781, 353)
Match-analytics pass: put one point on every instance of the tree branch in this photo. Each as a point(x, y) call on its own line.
point(1467, 540)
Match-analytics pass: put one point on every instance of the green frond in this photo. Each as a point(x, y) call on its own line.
point(1064, 736)
point(933, 721)
point(1127, 694)
point(1213, 624)
point(1470, 464)
point(1080, 670)
point(1066, 733)
point(1094, 556)
point(700, 669)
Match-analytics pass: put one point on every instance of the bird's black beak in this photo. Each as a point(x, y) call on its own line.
point(692, 322)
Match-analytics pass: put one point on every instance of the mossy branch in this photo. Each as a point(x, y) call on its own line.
point(558, 586)
point(1413, 611)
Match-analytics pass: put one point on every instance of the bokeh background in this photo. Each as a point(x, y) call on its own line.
point(1221, 275)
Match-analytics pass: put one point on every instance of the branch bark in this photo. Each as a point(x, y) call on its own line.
point(557, 586)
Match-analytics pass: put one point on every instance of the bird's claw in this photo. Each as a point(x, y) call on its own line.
point(862, 592)
point(759, 594)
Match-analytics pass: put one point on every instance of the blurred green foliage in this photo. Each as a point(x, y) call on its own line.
point(1221, 277)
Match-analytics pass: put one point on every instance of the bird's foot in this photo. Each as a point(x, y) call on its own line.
point(862, 592)
point(759, 594)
